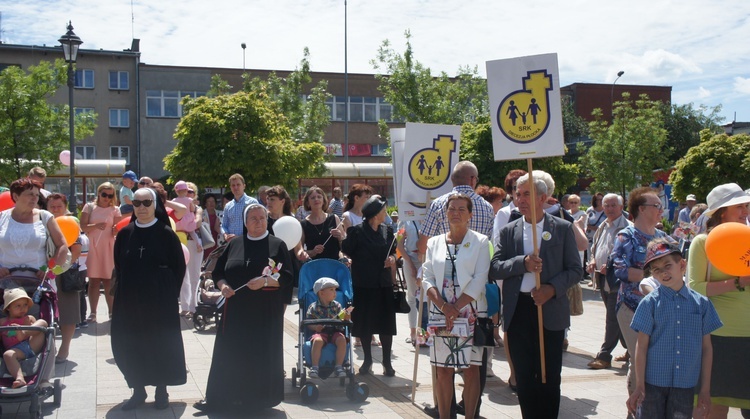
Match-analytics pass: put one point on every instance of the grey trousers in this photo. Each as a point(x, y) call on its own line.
point(612, 333)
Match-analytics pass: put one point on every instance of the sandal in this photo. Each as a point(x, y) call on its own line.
point(92, 318)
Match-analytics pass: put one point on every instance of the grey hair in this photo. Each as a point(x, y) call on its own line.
point(539, 184)
point(252, 207)
point(613, 195)
point(547, 178)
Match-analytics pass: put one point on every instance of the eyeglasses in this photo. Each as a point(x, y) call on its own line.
point(107, 195)
point(143, 182)
point(145, 202)
point(657, 206)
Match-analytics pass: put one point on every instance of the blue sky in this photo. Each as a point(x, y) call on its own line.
point(700, 48)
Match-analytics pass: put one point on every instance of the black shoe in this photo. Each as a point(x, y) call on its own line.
point(202, 406)
point(365, 368)
point(461, 409)
point(434, 413)
point(135, 401)
point(388, 371)
point(162, 398)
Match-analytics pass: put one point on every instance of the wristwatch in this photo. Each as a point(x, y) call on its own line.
point(737, 284)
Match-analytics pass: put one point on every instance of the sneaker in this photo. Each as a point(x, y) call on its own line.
point(339, 371)
point(84, 324)
point(599, 364)
point(314, 372)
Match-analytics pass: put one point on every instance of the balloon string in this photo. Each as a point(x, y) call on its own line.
point(329, 233)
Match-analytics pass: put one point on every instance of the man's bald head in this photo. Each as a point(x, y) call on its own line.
point(464, 173)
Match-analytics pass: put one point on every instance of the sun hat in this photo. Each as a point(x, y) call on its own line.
point(130, 175)
point(690, 197)
point(659, 248)
point(324, 283)
point(372, 207)
point(725, 195)
point(13, 294)
point(180, 186)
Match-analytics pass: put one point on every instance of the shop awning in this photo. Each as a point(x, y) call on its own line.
point(358, 170)
point(93, 168)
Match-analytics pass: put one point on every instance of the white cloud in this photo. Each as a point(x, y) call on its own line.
point(703, 93)
point(742, 85)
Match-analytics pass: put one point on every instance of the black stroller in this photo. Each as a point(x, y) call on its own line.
point(35, 369)
point(311, 272)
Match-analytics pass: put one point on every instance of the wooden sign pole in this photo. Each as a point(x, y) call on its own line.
point(536, 274)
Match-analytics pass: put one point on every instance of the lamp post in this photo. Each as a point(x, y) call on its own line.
point(346, 92)
point(243, 45)
point(612, 120)
point(70, 43)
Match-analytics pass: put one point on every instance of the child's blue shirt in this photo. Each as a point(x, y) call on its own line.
point(676, 322)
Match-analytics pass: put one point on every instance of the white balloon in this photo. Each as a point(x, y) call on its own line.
point(65, 157)
point(288, 229)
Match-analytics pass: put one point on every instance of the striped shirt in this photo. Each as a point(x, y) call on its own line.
point(481, 221)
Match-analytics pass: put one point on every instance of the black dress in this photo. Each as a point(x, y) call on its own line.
point(146, 335)
point(374, 307)
point(247, 367)
point(316, 234)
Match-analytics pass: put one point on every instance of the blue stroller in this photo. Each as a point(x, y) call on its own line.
point(311, 272)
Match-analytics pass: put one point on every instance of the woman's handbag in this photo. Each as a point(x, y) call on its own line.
point(71, 281)
point(575, 296)
point(399, 295)
point(207, 239)
point(484, 332)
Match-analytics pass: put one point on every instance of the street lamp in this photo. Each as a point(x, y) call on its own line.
point(612, 96)
point(70, 43)
point(243, 45)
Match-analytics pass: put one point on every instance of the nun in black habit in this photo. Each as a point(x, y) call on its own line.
point(247, 367)
point(146, 334)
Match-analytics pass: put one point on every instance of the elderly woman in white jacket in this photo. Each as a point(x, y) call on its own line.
point(454, 277)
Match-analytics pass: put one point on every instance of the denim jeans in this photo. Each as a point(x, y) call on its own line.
point(666, 402)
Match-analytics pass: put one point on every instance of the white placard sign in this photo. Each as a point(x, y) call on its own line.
point(525, 107)
point(406, 210)
point(430, 152)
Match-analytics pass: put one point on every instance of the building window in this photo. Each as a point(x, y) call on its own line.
point(84, 79)
point(120, 153)
point(380, 150)
point(86, 152)
point(119, 118)
point(79, 111)
point(166, 103)
point(361, 109)
point(119, 80)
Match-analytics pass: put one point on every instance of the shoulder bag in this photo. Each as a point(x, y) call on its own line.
point(207, 239)
point(575, 296)
point(399, 294)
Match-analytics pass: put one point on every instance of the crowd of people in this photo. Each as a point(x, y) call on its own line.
point(142, 251)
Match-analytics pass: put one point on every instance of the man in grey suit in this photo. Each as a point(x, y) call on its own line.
point(559, 267)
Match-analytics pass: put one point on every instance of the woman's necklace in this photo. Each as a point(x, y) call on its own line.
point(317, 217)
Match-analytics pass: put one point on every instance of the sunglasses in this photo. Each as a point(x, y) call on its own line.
point(145, 202)
point(143, 182)
point(107, 195)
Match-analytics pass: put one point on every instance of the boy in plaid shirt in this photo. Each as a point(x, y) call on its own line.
point(326, 308)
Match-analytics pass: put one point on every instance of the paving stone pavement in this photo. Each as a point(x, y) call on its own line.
point(94, 387)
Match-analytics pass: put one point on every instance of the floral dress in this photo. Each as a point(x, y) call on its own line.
point(452, 351)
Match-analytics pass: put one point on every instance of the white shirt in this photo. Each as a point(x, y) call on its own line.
point(501, 219)
point(529, 279)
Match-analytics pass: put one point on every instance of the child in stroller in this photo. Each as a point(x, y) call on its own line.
point(20, 344)
point(326, 307)
point(210, 302)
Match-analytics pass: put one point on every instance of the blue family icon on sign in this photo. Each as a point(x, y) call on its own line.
point(428, 166)
point(531, 105)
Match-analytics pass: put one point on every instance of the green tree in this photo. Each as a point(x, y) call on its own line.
point(684, 124)
point(247, 133)
point(718, 159)
point(418, 96)
point(307, 114)
point(33, 132)
point(625, 153)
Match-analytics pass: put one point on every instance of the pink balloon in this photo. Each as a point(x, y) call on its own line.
point(65, 157)
point(186, 253)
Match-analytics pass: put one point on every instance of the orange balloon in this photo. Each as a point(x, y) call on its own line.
point(6, 201)
point(728, 248)
point(120, 225)
point(70, 228)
